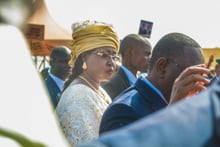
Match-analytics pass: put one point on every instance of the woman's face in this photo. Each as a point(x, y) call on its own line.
point(101, 63)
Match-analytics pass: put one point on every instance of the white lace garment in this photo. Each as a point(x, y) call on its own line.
point(80, 110)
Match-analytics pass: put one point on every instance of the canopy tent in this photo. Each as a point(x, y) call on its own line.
point(43, 33)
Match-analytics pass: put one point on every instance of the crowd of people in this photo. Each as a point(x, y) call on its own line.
point(172, 55)
point(98, 104)
point(100, 98)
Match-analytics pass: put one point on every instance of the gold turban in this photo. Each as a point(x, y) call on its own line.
point(89, 35)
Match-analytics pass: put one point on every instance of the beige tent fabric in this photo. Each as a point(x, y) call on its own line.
point(52, 29)
point(43, 32)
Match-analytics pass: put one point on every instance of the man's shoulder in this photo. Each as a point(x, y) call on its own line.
point(122, 111)
point(126, 96)
point(51, 84)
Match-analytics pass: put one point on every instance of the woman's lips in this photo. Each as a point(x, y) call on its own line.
point(110, 71)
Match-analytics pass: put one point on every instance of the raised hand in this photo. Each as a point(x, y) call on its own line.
point(189, 82)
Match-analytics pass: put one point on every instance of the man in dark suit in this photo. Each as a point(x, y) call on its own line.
point(135, 51)
point(193, 122)
point(59, 71)
point(171, 55)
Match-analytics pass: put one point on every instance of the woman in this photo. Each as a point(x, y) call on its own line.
point(83, 101)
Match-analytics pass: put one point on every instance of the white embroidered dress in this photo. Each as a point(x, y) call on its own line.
point(80, 110)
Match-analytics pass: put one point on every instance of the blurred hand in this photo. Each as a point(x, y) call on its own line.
point(189, 82)
point(16, 12)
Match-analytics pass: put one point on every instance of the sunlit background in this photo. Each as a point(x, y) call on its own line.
point(197, 18)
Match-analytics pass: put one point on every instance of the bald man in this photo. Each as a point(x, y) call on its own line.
point(135, 51)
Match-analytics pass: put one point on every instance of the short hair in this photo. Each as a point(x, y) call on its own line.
point(172, 45)
point(59, 52)
point(130, 40)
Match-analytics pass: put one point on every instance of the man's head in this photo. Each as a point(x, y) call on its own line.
point(59, 58)
point(171, 55)
point(135, 51)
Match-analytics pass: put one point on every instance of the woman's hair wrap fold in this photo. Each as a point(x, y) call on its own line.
point(91, 35)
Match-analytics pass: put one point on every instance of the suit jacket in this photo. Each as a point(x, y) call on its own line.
point(116, 84)
point(193, 122)
point(53, 90)
point(132, 104)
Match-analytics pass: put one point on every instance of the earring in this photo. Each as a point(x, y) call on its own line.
point(84, 66)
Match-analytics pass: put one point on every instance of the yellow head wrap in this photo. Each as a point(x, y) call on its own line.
point(90, 35)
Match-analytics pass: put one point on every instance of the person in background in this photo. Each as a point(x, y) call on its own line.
point(83, 101)
point(174, 54)
point(59, 71)
point(135, 51)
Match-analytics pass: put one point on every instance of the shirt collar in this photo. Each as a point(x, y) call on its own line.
point(131, 77)
point(155, 89)
point(59, 82)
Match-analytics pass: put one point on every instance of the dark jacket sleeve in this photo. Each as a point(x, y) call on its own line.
point(53, 90)
point(116, 117)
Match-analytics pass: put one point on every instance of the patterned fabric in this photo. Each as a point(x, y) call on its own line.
point(80, 110)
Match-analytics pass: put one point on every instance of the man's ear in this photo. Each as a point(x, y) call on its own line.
point(130, 51)
point(161, 65)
